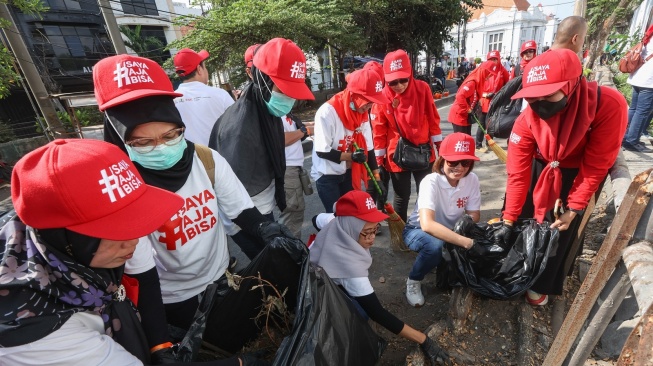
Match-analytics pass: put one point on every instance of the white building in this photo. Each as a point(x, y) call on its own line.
point(503, 26)
point(642, 18)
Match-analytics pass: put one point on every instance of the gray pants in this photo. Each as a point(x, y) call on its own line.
point(293, 215)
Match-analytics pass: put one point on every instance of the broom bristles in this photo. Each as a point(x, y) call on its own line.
point(396, 226)
point(496, 149)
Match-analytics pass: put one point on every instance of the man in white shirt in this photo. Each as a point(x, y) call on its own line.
point(201, 105)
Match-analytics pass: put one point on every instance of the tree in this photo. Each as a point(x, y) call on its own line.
point(603, 17)
point(150, 47)
point(9, 76)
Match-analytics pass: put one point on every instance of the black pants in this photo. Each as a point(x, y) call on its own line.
point(551, 280)
point(402, 188)
point(250, 244)
point(464, 129)
point(480, 136)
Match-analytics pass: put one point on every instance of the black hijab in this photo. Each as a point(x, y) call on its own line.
point(252, 140)
point(45, 279)
point(121, 120)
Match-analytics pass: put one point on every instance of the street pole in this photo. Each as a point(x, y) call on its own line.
point(112, 27)
point(31, 74)
point(579, 7)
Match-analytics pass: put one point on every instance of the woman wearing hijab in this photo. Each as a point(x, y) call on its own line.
point(497, 78)
point(342, 249)
point(411, 109)
point(191, 247)
point(467, 99)
point(561, 147)
point(250, 136)
point(340, 123)
point(527, 53)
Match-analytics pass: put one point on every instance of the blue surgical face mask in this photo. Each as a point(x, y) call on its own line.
point(279, 104)
point(162, 157)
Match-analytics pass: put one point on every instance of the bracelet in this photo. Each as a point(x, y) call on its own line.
point(161, 346)
point(508, 222)
point(577, 211)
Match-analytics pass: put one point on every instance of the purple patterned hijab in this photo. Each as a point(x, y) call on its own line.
point(45, 279)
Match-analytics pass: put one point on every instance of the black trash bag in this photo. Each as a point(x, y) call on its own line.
point(328, 329)
point(505, 272)
point(503, 111)
point(226, 318)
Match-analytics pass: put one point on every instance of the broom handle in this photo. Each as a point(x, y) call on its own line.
point(369, 172)
point(479, 124)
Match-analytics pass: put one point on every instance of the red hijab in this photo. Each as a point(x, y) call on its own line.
point(558, 137)
point(352, 121)
point(413, 109)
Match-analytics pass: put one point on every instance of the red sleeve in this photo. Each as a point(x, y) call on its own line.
point(379, 127)
point(432, 115)
point(512, 73)
point(521, 147)
point(605, 135)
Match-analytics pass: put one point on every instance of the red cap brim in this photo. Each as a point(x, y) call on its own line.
point(141, 217)
point(204, 54)
point(378, 99)
point(397, 75)
point(373, 216)
point(135, 94)
point(293, 89)
point(536, 91)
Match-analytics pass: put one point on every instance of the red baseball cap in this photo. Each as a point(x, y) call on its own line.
point(360, 205)
point(373, 65)
point(284, 62)
point(368, 84)
point(528, 45)
point(493, 54)
point(548, 73)
point(187, 60)
point(249, 54)
point(123, 78)
point(90, 187)
point(458, 146)
point(396, 65)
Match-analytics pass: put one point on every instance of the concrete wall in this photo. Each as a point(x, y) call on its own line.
point(12, 151)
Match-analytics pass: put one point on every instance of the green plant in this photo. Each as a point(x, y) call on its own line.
point(620, 83)
point(477, 60)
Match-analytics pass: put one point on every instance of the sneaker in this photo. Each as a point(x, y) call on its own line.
point(639, 147)
point(647, 136)
point(482, 150)
point(536, 299)
point(414, 293)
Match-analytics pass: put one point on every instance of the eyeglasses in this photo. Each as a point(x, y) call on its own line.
point(370, 233)
point(464, 163)
point(529, 51)
point(170, 138)
point(398, 81)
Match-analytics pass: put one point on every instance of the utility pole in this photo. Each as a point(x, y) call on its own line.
point(112, 27)
point(31, 74)
point(579, 7)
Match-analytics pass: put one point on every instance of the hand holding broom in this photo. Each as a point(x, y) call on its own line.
point(498, 151)
point(395, 223)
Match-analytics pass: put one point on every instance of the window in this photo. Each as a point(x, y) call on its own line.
point(139, 7)
point(63, 4)
point(154, 52)
point(69, 48)
point(495, 42)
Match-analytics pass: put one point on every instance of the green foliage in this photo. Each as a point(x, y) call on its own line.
point(6, 132)
point(150, 47)
point(478, 60)
point(8, 75)
point(86, 116)
point(621, 85)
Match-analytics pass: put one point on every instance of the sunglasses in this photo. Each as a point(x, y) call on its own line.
point(464, 163)
point(398, 81)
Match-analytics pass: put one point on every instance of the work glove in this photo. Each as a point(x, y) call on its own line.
point(466, 225)
point(359, 156)
point(250, 360)
point(268, 230)
point(477, 250)
point(380, 199)
point(502, 236)
point(380, 160)
point(433, 352)
point(163, 356)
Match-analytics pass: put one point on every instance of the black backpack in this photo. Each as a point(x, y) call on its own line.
point(504, 111)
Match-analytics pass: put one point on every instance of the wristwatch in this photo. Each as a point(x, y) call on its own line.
point(578, 212)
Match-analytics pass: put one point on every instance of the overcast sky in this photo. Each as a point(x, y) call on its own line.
point(561, 8)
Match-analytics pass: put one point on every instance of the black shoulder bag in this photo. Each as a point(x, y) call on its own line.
point(409, 156)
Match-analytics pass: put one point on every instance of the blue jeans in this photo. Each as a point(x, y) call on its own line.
point(639, 114)
point(428, 248)
point(332, 187)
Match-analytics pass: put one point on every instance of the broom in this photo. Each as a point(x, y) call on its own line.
point(498, 151)
point(395, 223)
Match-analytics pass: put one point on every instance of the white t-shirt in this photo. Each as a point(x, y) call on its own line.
point(643, 77)
point(330, 134)
point(80, 341)
point(449, 203)
point(294, 152)
point(200, 107)
point(190, 250)
point(355, 287)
